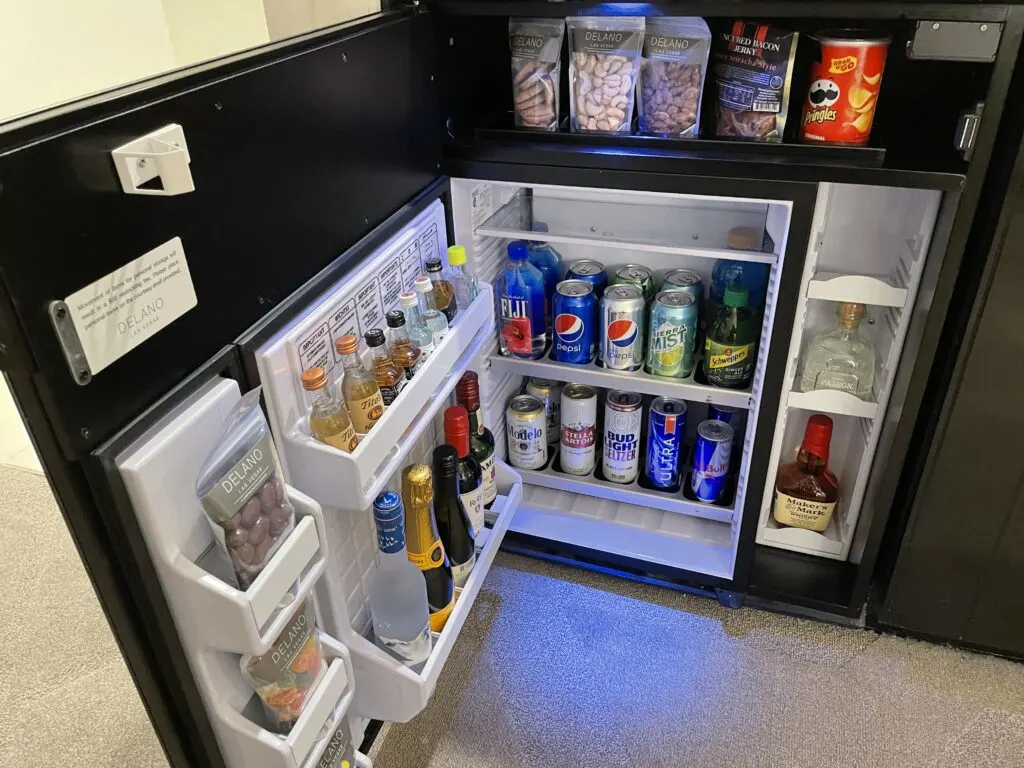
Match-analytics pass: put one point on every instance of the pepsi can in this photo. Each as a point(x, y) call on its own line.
point(623, 413)
point(590, 271)
point(622, 328)
point(711, 457)
point(575, 308)
point(666, 426)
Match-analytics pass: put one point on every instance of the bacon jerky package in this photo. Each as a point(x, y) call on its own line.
point(753, 66)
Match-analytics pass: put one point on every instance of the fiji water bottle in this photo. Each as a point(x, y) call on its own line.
point(547, 260)
point(520, 295)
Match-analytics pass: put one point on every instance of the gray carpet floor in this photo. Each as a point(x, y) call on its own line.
point(558, 667)
point(555, 667)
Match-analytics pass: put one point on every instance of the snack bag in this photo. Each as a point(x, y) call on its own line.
point(604, 59)
point(241, 490)
point(753, 65)
point(536, 46)
point(675, 60)
point(286, 674)
point(340, 752)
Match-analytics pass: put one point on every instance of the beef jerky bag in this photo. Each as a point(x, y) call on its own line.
point(536, 46)
point(675, 58)
point(753, 65)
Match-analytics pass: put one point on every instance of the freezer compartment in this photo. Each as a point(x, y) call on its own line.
point(387, 689)
point(868, 246)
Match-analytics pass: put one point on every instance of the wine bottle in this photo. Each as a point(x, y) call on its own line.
point(452, 521)
point(398, 595)
point(471, 487)
point(424, 545)
point(481, 441)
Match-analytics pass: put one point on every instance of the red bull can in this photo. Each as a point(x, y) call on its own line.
point(622, 328)
point(590, 271)
point(623, 413)
point(666, 426)
point(711, 456)
point(575, 338)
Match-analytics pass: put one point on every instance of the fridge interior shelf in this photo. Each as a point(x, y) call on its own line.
point(833, 401)
point(628, 493)
point(866, 289)
point(631, 381)
point(303, 747)
point(352, 480)
point(388, 690)
point(651, 224)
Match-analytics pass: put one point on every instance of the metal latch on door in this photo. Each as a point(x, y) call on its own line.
point(161, 155)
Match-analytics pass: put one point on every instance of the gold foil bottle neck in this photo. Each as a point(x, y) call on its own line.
point(417, 484)
point(850, 313)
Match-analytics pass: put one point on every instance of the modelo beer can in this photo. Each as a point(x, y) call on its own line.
point(622, 415)
point(589, 271)
point(550, 394)
point(525, 428)
point(845, 80)
point(575, 308)
point(673, 334)
point(638, 275)
point(578, 445)
point(711, 456)
point(622, 328)
point(666, 427)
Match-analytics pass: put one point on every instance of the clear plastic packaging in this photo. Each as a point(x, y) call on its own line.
point(242, 492)
point(286, 675)
point(675, 61)
point(604, 56)
point(536, 46)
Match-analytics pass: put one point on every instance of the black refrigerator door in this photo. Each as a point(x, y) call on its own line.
point(298, 153)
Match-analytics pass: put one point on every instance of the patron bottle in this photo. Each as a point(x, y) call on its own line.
point(424, 545)
point(471, 491)
point(452, 520)
point(841, 358)
point(359, 388)
point(481, 441)
point(389, 377)
point(805, 490)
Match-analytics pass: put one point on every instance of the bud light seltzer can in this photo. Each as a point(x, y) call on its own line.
point(550, 393)
point(589, 271)
point(525, 427)
point(578, 451)
point(575, 308)
point(638, 275)
point(666, 426)
point(673, 335)
point(711, 457)
point(622, 328)
point(622, 415)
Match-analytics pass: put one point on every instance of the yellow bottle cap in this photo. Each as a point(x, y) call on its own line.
point(456, 255)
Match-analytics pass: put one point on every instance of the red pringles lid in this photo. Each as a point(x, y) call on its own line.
point(817, 436)
point(467, 391)
point(456, 429)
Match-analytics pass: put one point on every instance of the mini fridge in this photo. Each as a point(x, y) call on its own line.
point(256, 210)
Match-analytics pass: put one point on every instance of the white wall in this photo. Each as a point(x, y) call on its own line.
point(201, 30)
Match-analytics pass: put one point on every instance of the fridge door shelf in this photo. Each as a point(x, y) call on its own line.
point(342, 480)
point(631, 381)
point(834, 402)
point(327, 706)
point(652, 223)
point(627, 493)
point(865, 289)
point(828, 543)
point(388, 690)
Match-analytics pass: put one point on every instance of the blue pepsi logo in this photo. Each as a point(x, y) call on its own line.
point(622, 333)
point(569, 327)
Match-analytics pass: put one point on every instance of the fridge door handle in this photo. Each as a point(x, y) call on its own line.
point(967, 130)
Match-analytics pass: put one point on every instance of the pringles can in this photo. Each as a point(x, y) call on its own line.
point(578, 445)
point(711, 457)
point(622, 414)
point(590, 271)
point(575, 326)
point(622, 328)
point(673, 334)
point(550, 393)
point(666, 427)
point(845, 80)
point(525, 430)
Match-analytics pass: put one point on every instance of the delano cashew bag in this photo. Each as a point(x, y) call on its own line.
point(536, 46)
point(675, 60)
point(604, 60)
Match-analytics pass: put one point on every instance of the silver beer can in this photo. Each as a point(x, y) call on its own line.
point(550, 393)
point(578, 445)
point(525, 432)
point(623, 412)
